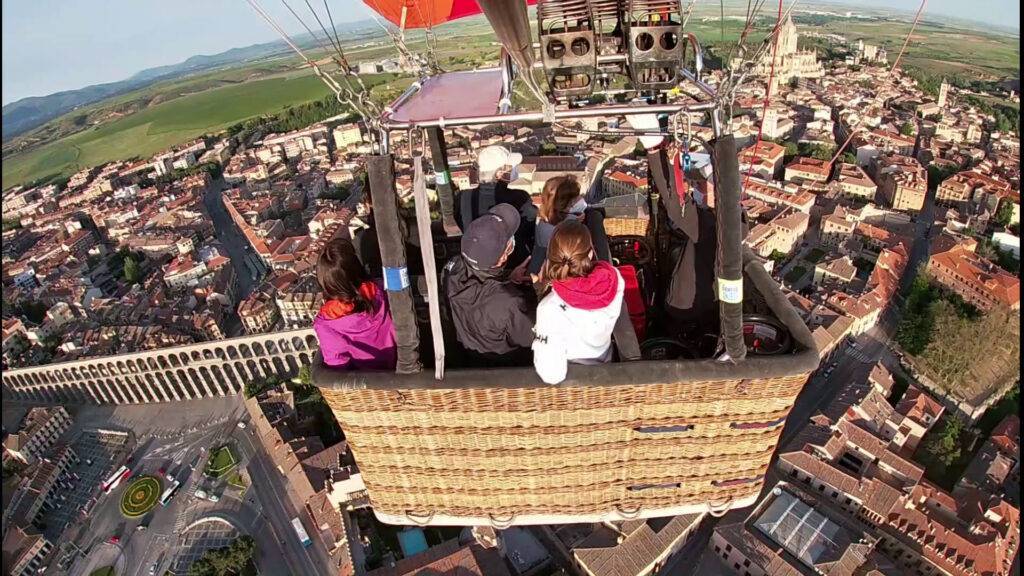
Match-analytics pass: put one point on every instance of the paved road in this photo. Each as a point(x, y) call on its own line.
point(243, 259)
point(270, 488)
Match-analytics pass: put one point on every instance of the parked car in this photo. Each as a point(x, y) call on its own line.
point(114, 539)
point(241, 425)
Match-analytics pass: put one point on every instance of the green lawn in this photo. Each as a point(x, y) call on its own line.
point(222, 461)
point(815, 255)
point(237, 481)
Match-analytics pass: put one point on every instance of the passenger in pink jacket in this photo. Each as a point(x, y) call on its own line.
point(354, 324)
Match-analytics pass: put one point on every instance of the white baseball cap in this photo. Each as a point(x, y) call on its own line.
point(494, 158)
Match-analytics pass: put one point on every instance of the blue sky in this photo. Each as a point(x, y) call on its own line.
point(53, 45)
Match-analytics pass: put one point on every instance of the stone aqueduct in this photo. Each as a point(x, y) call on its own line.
point(199, 370)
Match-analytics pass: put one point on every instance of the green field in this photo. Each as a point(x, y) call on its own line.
point(162, 126)
point(147, 121)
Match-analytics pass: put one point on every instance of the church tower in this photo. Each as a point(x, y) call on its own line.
point(787, 38)
point(943, 92)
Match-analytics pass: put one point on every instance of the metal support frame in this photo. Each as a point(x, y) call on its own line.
point(574, 113)
point(443, 180)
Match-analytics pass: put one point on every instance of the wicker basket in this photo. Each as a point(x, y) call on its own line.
point(627, 226)
point(612, 442)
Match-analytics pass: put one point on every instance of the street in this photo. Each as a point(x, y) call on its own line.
point(244, 261)
point(278, 512)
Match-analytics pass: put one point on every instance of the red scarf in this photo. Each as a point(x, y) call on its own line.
point(592, 292)
point(334, 308)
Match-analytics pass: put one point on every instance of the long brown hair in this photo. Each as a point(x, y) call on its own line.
point(340, 274)
point(558, 196)
point(570, 252)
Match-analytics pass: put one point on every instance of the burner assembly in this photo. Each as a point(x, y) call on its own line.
point(584, 44)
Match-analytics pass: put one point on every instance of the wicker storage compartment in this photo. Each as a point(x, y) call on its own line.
point(619, 226)
point(615, 441)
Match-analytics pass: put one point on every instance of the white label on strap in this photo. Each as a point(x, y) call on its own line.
point(730, 291)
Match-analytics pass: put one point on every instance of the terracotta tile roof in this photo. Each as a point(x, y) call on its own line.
point(644, 542)
point(810, 165)
point(881, 377)
point(1007, 436)
point(919, 406)
point(840, 267)
point(978, 273)
point(628, 179)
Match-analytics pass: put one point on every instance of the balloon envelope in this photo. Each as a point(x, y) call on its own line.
point(425, 13)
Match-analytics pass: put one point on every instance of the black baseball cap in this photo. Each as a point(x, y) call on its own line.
point(486, 238)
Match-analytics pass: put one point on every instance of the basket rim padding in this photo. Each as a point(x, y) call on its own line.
point(803, 361)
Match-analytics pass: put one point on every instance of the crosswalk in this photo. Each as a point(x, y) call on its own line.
point(860, 356)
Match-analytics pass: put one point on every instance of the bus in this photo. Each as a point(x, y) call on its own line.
point(165, 498)
point(301, 532)
point(115, 479)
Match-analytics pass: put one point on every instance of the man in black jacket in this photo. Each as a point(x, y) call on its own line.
point(493, 316)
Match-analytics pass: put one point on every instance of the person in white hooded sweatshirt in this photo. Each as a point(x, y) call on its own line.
point(576, 317)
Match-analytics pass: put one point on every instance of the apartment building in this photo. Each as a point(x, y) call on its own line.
point(39, 431)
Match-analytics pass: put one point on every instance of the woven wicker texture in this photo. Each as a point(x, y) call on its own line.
point(626, 226)
point(578, 450)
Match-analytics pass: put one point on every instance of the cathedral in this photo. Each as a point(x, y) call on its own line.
point(790, 62)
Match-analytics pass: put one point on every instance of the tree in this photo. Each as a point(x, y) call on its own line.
point(915, 329)
point(907, 129)
point(11, 224)
point(794, 82)
point(639, 151)
point(234, 559)
point(305, 375)
point(937, 173)
point(848, 158)
point(945, 446)
point(255, 387)
point(1004, 213)
point(547, 149)
point(792, 149)
point(821, 153)
point(339, 192)
point(132, 273)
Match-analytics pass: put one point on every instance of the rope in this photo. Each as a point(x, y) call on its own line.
point(767, 99)
point(686, 14)
point(345, 94)
point(913, 26)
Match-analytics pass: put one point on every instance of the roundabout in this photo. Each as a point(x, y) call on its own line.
point(140, 496)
